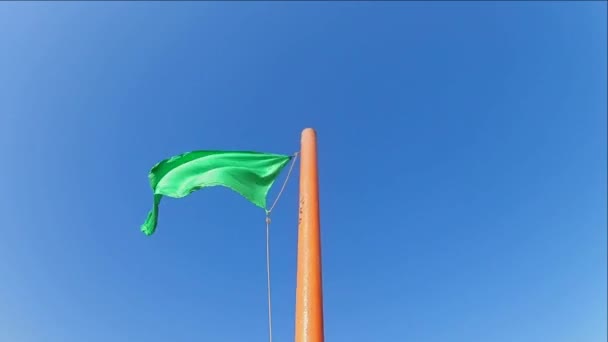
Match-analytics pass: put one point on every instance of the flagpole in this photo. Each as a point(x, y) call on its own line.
point(309, 291)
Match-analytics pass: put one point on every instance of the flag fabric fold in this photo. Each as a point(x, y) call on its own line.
point(251, 174)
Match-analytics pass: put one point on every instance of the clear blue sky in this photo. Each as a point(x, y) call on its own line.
point(462, 166)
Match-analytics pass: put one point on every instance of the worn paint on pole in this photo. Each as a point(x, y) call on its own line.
point(309, 291)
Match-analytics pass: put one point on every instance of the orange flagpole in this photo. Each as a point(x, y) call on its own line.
point(309, 291)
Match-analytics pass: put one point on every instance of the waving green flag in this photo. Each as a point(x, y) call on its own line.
point(251, 174)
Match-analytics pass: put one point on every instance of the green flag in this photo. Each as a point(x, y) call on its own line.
point(251, 174)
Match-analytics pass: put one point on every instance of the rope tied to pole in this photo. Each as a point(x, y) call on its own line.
point(268, 221)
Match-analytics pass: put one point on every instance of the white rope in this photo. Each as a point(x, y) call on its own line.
point(268, 212)
point(268, 277)
point(295, 156)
